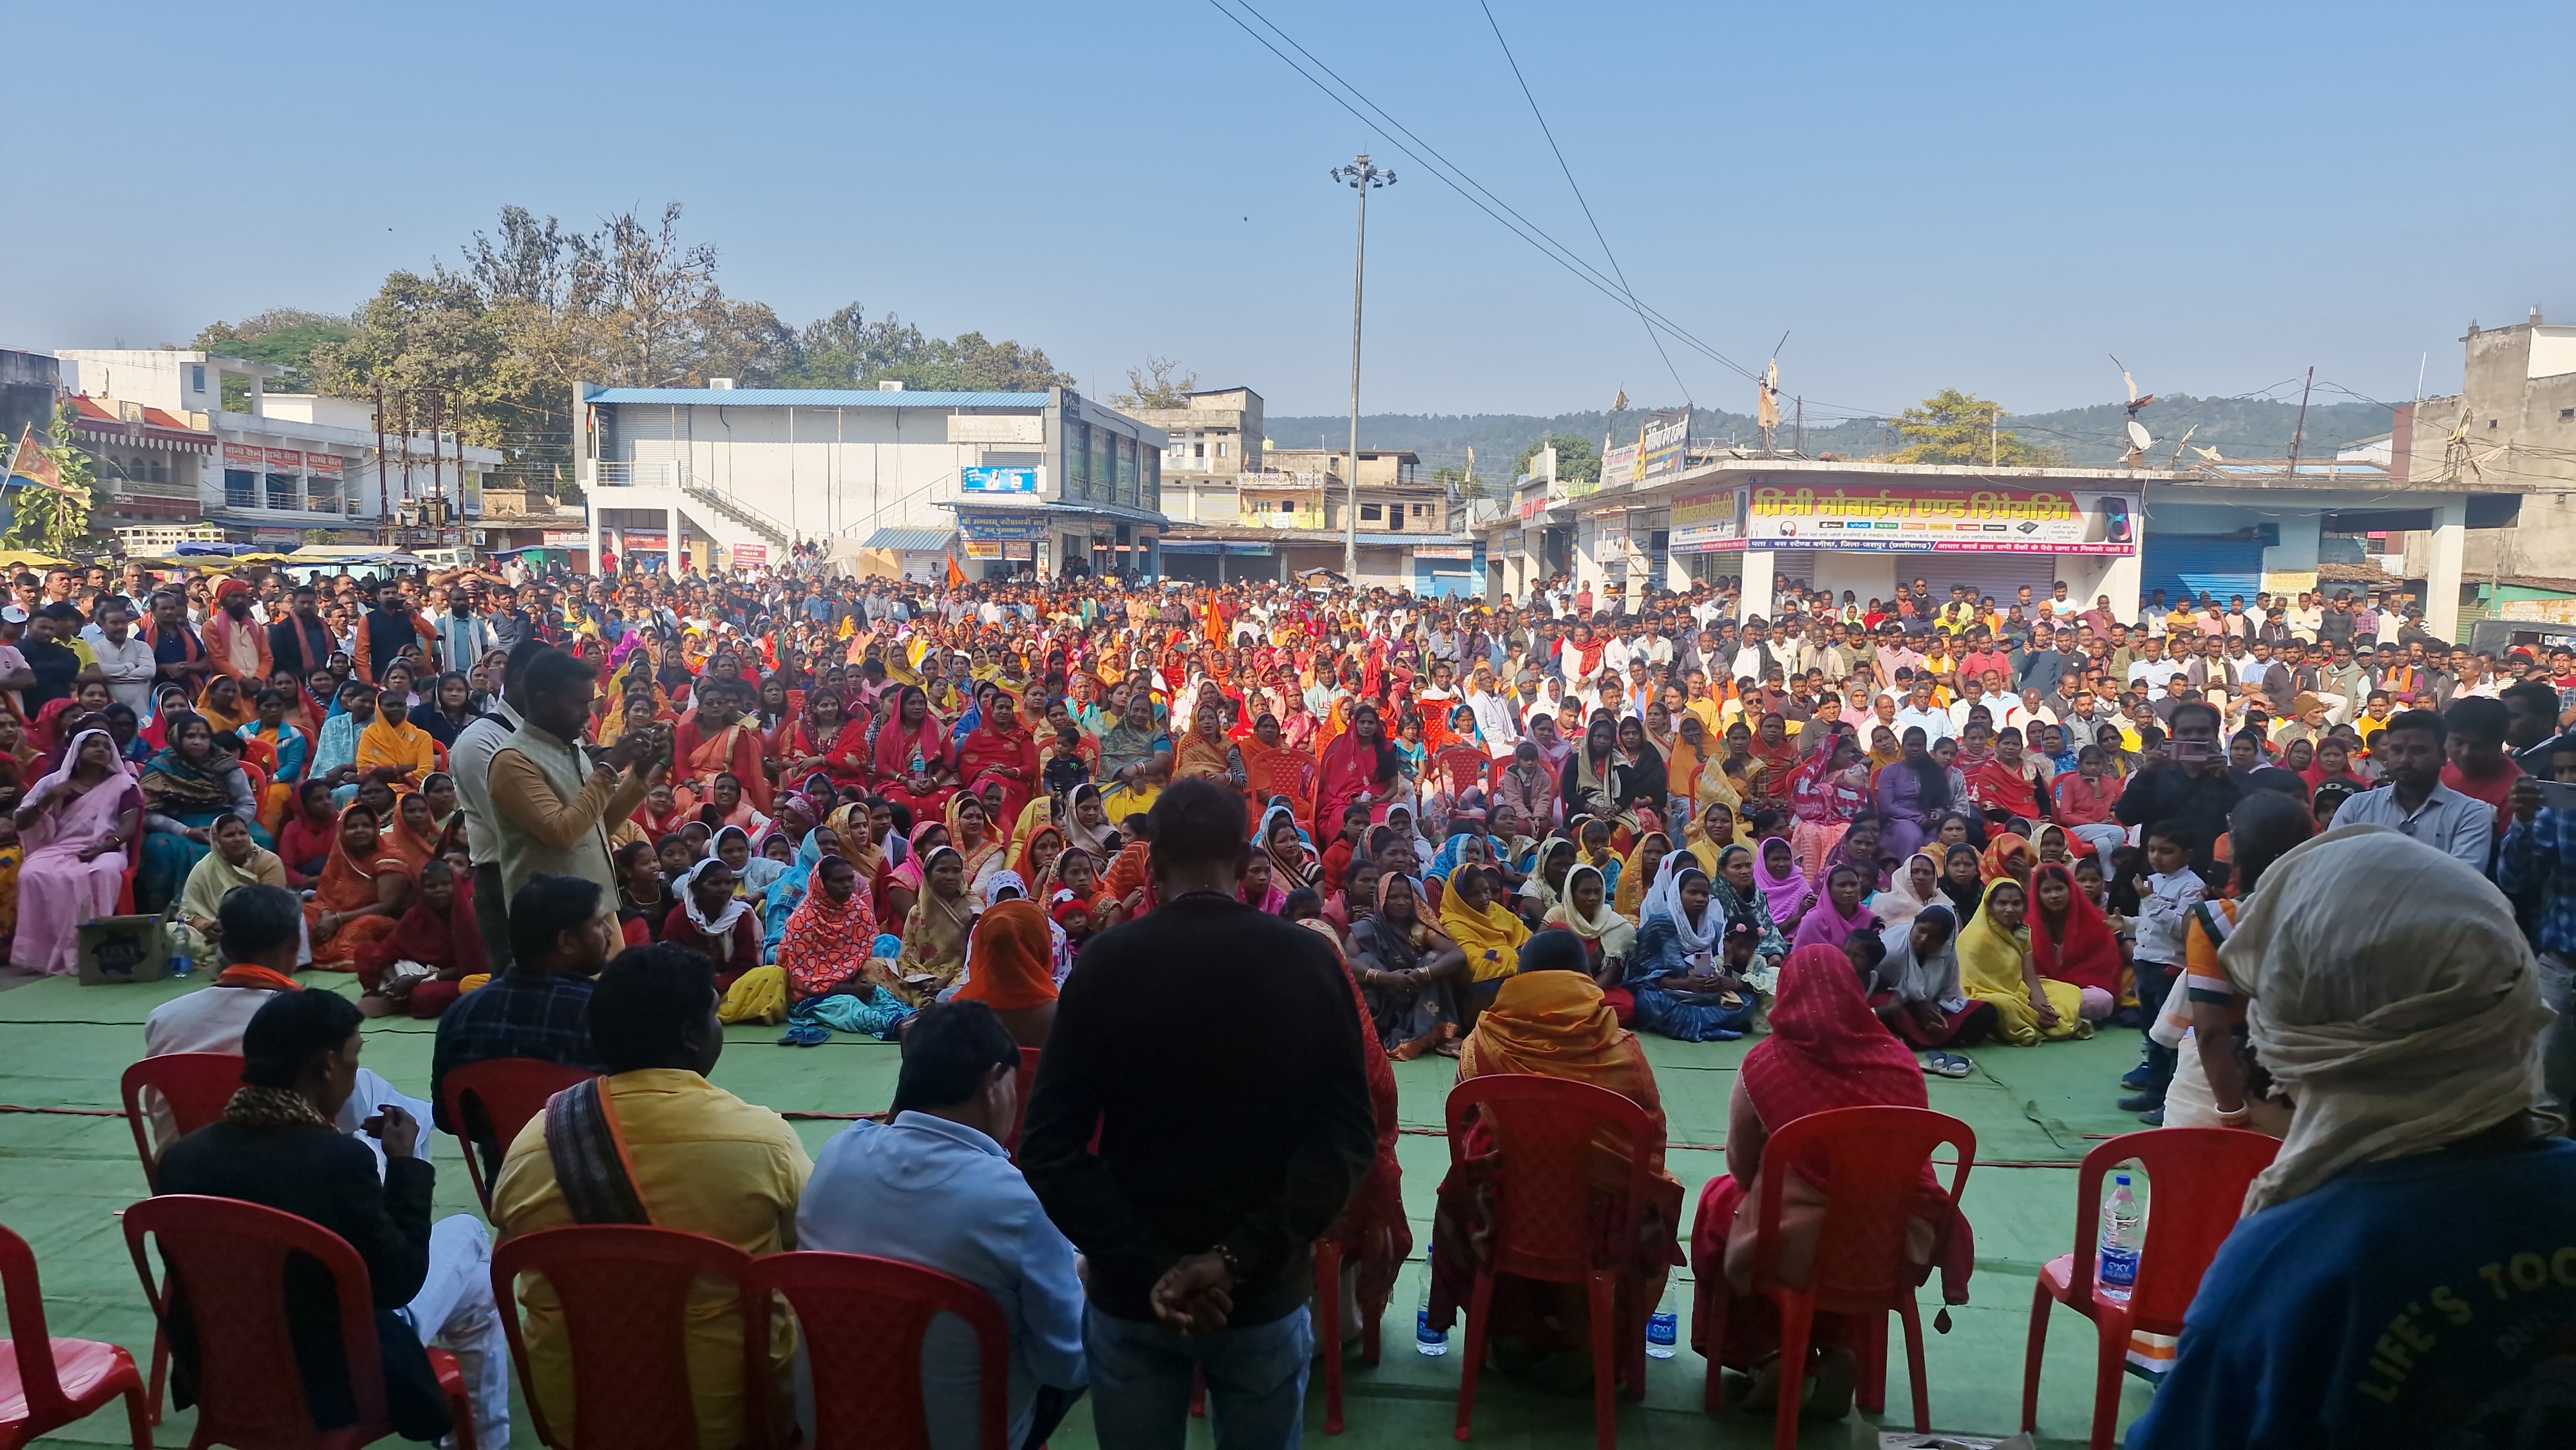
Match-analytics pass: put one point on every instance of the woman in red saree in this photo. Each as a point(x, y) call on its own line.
point(1372, 1233)
point(1358, 768)
point(1548, 1019)
point(1826, 1050)
point(827, 741)
point(2071, 941)
point(914, 764)
point(1001, 750)
point(438, 932)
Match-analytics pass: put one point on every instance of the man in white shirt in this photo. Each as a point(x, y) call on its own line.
point(469, 761)
point(1494, 715)
point(124, 661)
point(2154, 669)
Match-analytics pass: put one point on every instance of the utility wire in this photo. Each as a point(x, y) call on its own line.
point(1577, 188)
point(1476, 194)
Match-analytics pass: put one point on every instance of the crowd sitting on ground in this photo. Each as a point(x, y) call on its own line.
point(985, 817)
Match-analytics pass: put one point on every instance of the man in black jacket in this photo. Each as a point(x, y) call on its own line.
point(1216, 1052)
point(276, 1146)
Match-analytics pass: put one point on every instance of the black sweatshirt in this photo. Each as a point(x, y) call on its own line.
point(1217, 1049)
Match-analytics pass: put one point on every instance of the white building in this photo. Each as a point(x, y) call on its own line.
point(1001, 481)
point(294, 463)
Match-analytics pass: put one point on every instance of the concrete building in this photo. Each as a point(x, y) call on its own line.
point(2512, 426)
point(1212, 441)
point(1866, 527)
point(294, 464)
point(1004, 482)
point(1288, 519)
point(30, 384)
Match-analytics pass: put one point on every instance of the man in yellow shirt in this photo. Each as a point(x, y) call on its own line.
point(654, 1142)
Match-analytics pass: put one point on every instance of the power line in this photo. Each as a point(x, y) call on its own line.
point(1474, 192)
point(1577, 189)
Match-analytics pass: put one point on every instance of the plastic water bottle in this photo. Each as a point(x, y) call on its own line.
point(2124, 1229)
point(1427, 1340)
point(182, 966)
point(1663, 1328)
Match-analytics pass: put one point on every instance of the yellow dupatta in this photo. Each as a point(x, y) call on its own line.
point(1990, 970)
point(1631, 897)
point(1491, 938)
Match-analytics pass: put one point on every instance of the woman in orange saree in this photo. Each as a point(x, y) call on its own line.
point(362, 894)
point(1549, 1019)
point(714, 741)
point(1204, 751)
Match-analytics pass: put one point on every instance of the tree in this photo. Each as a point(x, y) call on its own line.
point(1153, 386)
point(284, 336)
point(1578, 460)
point(55, 519)
point(1956, 427)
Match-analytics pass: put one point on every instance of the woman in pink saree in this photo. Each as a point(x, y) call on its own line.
point(79, 824)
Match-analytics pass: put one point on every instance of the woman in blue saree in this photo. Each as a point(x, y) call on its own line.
point(185, 787)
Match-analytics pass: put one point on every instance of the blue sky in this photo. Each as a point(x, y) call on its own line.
point(1988, 197)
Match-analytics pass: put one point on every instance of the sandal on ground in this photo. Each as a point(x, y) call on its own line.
point(1948, 1064)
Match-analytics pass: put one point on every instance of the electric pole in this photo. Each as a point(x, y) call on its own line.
point(1362, 176)
point(2299, 434)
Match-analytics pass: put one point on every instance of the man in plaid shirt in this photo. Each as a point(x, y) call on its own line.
point(562, 929)
point(2537, 863)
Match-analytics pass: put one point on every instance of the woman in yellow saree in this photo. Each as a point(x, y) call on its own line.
point(1995, 966)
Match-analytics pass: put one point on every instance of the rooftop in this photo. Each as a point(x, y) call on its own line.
point(815, 398)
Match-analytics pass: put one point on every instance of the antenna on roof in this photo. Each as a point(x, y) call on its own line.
point(2140, 440)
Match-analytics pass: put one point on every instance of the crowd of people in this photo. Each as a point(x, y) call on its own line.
point(1271, 839)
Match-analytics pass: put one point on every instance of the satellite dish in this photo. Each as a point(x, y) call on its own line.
point(2139, 437)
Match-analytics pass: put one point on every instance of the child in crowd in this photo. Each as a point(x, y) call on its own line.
point(2170, 891)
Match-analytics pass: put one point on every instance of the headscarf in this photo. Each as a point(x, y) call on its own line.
point(1782, 893)
point(1823, 925)
point(1613, 933)
point(1749, 907)
point(174, 786)
point(1964, 900)
point(826, 943)
point(1492, 930)
point(1295, 867)
point(2394, 1000)
point(935, 935)
point(1897, 905)
point(1826, 1050)
point(1990, 958)
point(1098, 842)
point(1991, 867)
point(1693, 934)
point(1630, 898)
point(1933, 979)
point(734, 907)
point(2088, 955)
point(1010, 959)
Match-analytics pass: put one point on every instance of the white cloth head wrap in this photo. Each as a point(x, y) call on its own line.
point(2394, 1002)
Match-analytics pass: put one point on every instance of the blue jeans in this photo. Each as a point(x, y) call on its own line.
point(1140, 1382)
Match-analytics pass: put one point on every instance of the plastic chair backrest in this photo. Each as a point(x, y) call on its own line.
point(1869, 1162)
point(38, 1383)
point(2199, 1177)
point(228, 1259)
point(1027, 1079)
point(507, 1092)
point(193, 1088)
point(861, 1321)
point(1546, 1131)
point(624, 1293)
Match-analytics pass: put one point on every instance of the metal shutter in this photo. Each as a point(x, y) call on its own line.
point(2192, 564)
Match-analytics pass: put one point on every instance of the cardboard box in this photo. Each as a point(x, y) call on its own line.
point(116, 949)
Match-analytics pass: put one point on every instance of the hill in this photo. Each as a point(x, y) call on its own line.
point(2092, 437)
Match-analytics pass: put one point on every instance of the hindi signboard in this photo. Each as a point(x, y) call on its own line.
point(1661, 444)
point(1915, 520)
point(1708, 522)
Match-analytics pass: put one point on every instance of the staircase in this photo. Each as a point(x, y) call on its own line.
point(743, 515)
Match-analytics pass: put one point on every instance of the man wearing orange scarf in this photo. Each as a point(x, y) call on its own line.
point(236, 644)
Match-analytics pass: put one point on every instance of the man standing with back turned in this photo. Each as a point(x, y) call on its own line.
point(1216, 1049)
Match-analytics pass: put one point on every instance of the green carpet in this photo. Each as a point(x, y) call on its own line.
point(63, 1178)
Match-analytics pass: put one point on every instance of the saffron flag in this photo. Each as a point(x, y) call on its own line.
point(32, 463)
point(956, 576)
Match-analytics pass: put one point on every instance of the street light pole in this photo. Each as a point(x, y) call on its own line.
point(1362, 176)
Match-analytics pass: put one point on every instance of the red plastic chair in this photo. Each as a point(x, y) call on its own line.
point(624, 1298)
point(1545, 1222)
point(194, 1087)
point(505, 1093)
point(2200, 1176)
point(47, 1383)
point(1026, 1080)
point(1328, 1307)
point(230, 1258)
point(1872, 1161)
point(862, 1321)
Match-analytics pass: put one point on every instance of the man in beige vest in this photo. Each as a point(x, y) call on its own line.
point(555, 808)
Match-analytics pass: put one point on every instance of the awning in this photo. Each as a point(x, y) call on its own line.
point(1214, 546)
point(912, 541)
